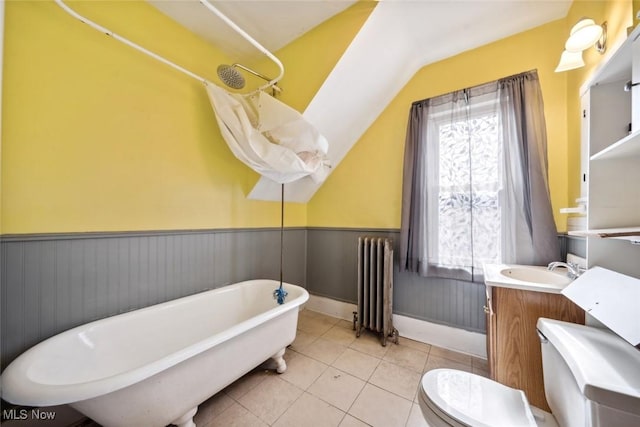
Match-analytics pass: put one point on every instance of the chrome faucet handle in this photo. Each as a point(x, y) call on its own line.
point(555, 264)
point(577, 268)
point(573, 269)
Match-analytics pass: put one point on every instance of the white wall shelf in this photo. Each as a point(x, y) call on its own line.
point(624, 148)
point(610, 163)
point(616, 65)
point(626, 233)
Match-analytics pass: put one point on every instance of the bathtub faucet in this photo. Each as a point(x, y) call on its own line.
point(573, 270)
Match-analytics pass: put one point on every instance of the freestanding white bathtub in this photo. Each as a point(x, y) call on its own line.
point(154, 366)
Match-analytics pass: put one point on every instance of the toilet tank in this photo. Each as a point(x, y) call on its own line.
point(591, 376)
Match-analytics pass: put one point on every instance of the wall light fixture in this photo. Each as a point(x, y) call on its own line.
point(584, 34)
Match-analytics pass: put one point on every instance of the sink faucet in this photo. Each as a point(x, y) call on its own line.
point(573, 270)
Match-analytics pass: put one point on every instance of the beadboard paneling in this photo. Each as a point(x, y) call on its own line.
point(52, 283)
point(332, 272)
point(574, 245)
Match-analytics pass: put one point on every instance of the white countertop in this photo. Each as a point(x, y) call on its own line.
point(499, 275)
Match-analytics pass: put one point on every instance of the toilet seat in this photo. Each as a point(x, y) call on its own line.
point(461, 398)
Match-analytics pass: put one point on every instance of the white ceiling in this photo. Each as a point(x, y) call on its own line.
point(272, 23)
point(275, 23)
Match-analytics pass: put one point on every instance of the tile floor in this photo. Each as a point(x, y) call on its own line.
point(334, 379)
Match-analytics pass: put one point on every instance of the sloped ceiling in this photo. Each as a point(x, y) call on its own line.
point(273, 23)
point(411, 33)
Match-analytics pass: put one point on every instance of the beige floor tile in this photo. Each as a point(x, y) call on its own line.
point(435, 362)
point(263, 398)
point(346, 324)
point(415, 395)
point(302, 339)
point(396, 379)
point(406, 357)
point(337, 388)
point(302, 370)
point(351, 421)
point(451, 355)
point(289, 354)
point(416, 345)
point(324, 317)
point(481, 372)
point(314, 325)
point(369, 343)
point(323, 350)
point(380, 408)
point(356, 363)
point(212, 408)
point(479, 363)
point(245, 384)
point(235, 416)
point(340, 335)
point(305, 312)
point(310, 314)
point(416, 419)
point(309, 411)
point(270, 399)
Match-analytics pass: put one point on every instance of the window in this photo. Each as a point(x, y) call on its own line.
point(468, 209)
point(475, 187)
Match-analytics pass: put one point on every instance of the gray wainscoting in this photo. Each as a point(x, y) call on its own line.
point(573, 245)
point(332, 272)
point(51, 283)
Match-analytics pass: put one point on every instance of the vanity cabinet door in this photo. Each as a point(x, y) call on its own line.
point(516, 346)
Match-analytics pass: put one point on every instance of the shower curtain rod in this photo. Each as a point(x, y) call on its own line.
point(248, 38)
point(166, 61)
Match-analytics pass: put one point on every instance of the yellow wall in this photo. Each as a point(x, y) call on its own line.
point(365, 190)
point(98, 137)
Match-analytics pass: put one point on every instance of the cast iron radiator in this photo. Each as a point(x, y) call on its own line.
point(375, 288)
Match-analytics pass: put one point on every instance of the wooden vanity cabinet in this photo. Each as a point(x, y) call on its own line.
point(513, 345)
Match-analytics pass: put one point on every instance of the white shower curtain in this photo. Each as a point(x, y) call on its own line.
point(269, 136)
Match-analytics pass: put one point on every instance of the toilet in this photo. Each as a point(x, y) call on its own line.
point(591, 379)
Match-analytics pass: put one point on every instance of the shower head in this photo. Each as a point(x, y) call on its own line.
point(230, 76)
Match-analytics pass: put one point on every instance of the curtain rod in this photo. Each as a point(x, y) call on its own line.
point(469, 89)
point(248, 38)
point(172, 64)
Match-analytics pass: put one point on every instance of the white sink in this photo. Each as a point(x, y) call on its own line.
point(526, 277)
point(536, 275)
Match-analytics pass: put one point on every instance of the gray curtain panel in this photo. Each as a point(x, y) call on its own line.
point(412, 242)
point(527, 232)
point(522, 106)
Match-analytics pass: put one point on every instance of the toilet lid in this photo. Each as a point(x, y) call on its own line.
point(476, 401)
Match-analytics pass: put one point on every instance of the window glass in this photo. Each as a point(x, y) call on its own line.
point(469, 181)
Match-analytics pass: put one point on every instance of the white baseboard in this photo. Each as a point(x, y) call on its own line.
point(451, 338)
point(331, 307)
point(448, 337)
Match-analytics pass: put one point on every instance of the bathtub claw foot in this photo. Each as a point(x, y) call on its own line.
point(187, 419)
point(281, 365)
